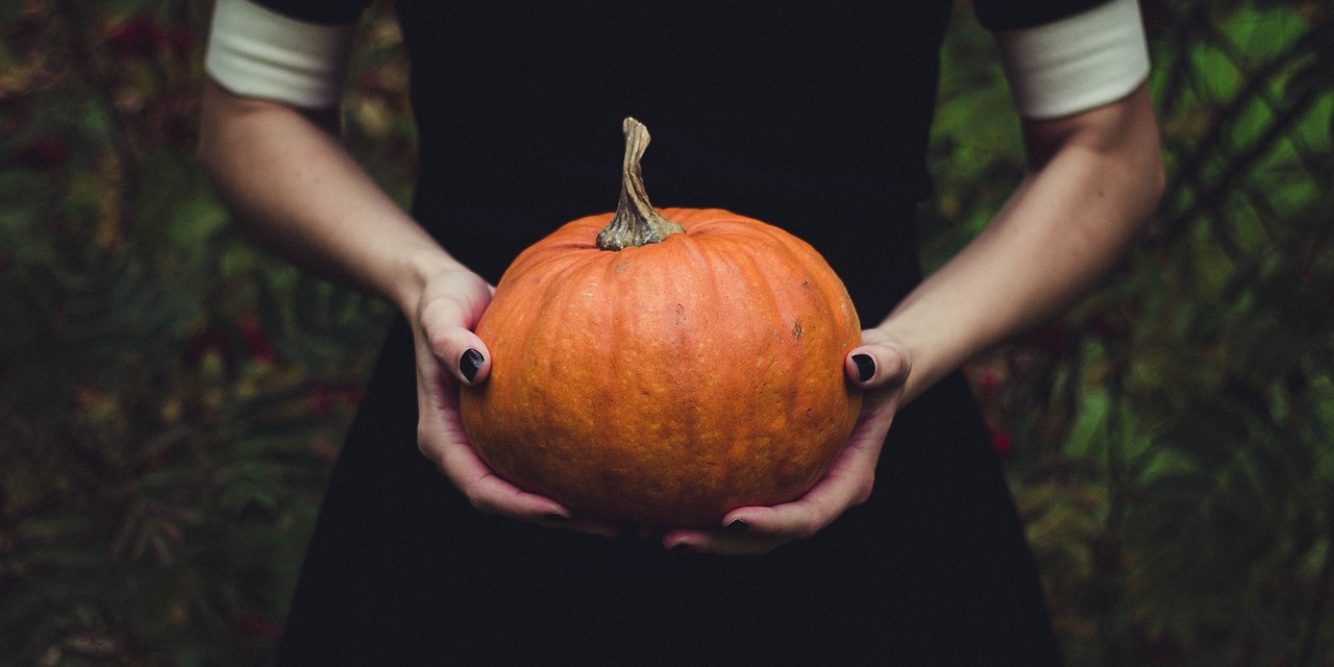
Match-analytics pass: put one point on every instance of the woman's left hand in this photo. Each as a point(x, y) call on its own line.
point(879, 366)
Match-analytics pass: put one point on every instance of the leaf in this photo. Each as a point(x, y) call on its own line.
point(1087, 432)
point(270, 312)
point(308, 305)
point(1313, 75)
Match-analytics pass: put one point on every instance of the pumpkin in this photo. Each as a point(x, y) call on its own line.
point(665, 367)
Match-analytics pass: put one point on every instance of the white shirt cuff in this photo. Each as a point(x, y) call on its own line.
point(1077, 63)
point(256, 52)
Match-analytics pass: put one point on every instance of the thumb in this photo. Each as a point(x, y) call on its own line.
point(460, 351)
point(877, 365)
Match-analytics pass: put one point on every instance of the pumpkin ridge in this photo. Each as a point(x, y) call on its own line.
point(576, 235)
point(553, 266)
point(778, 304)
point(800, 255)
point(554, 243)
point(707, 276)
point(535, 333)
point(726, 424)
point(598, 389)
point(802, 252)
point(553, 338)
point(723, 216)
point(612, 310)
point(762, 396)
point(735, 227)
point(727, 216)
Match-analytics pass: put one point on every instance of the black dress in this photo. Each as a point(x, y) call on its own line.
point(811, 116)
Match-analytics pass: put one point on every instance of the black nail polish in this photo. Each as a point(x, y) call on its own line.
point(470, 363)
point(553, 518)
point(865, 366)
point(738, 526)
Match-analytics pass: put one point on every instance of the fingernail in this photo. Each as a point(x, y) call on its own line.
point(738, 526)
point(553, 518)
point(865, 366)
point(470, 363)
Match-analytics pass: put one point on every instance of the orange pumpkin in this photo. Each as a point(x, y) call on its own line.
point(665, 368)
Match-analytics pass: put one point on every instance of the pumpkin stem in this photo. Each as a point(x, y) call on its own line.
point(636, 222)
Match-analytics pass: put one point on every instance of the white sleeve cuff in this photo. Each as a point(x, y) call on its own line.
point(256, 52)
point(1077, 63)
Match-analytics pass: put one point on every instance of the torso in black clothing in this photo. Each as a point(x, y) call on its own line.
point(811, 116)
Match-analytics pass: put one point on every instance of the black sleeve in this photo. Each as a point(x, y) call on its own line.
point(1013, 14)
point(322, 12)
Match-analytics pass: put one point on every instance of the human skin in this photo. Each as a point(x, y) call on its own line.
point(1093, 179)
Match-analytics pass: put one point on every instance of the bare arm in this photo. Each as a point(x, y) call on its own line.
point(298, 193)
point(1094, 178)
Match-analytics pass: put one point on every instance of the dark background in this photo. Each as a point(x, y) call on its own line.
point(171, 399)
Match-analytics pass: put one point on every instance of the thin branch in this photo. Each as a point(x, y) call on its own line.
point(1224, 117)
point(1233, 54)
point(1110, 628)
point(86, 65)
point(1181, 63)
point(1238, 166)
point(1310, 638)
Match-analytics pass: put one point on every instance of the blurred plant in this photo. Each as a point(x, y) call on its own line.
point(1172, 434)
point(170, 400)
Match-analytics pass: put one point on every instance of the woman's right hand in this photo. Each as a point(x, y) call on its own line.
point(449, 354)
point(295, 189)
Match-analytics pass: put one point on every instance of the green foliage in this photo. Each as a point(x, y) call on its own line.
point(1173, 431)
point(171, 400)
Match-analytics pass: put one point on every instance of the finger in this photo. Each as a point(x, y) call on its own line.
point(876, 365)
point(441, 439)
point(491, 494)
point(589, 526)
point(720, 543)
point(767, 527)
point(794, 520)
point(445, 323)
point(488, 492)
point(462, 352)
point(757, 530)
point(848, 483)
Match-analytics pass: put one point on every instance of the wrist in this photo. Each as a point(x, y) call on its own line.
point(932, 355)
point(415, 271)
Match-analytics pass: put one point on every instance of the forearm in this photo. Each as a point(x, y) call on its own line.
point(1093, 181)
point(297, 192)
